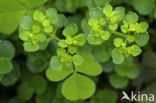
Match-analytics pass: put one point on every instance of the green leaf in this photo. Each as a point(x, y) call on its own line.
point(107, 10)
point(101, 3)
point(72, 87)
point(131, 17)
point(96, 12)
point(25, 91)
point(24, 35)
point(80, 39)
point(42, 37)
point(11, 78)
point(144, 26)
point(120, 12)
point(15, 100)
point(5, 65)
point(142, 38)
point(93, 40)
point(51, 13)
point(106, 35)
point(85, 50)
point(38, 83)
point(135, 50)
point(1, 77)
point(59, 75)
point(62, 43)
point(62, 21)
point(38, 15)
point(89, 67)
point(117, 81)
point(113, 27)
point(60, 5)
point(33, 3)
point(108, 66)
point(117, 57)
point(70, 30)
point(85, 26)
point(93, 21)
point(78, 59)
point(26, 22)
point(102, 96)
point(45, 97)
point(144, 7)
point(7, 50)
point(149, 59)
point(61, 51)
point(36, 63)
point(145, 76)
point(30, 47)
point(11, 11)
point(55, 63)
point(101, 54)
point(127, 69)
point(118, 42)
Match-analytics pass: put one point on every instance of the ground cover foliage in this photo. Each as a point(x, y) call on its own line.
point(76, 51)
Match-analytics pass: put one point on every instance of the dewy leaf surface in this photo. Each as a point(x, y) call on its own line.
point(78, 87)
point(59, 75)
point(11, 11)
point(90, 66)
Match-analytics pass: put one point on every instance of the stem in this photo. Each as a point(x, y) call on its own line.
point(53, 36)
point(56, 38)
point(118, 33)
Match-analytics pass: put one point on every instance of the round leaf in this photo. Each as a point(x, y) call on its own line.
point(117, 81)
point(131, 17)
point(89, 67)
point(11, 77)
point(55, 63)
point(7, 50)
point(144, 6)
point(38, 83)
point(96, 12)
point(102, 96)
point(26, 22)
point(5, 65)
point(142, 39)
point(51, 13)
point(25, 91)
point(59, 75)
point(78, 87)
point(36, 63)
point(127, 69)
point(30, 47)
point(70, 30)
point(117, 57)
point(11, 11)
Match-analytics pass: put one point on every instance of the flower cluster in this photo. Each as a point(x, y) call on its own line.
point(105, 23)
point(36, 29)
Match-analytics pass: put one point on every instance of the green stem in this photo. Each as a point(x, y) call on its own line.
point(53, 36)
point(118, 33)
point(56, 38)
